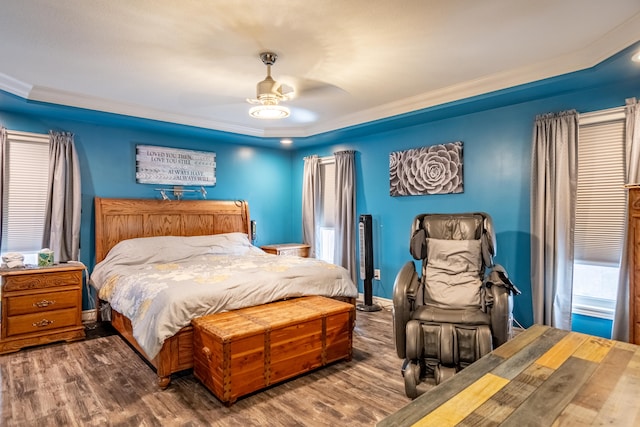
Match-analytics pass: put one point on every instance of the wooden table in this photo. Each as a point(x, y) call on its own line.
point(543, 377)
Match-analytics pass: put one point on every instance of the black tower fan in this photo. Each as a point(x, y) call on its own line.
point(365, 240)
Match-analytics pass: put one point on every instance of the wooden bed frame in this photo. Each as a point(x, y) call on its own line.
point(121, 219)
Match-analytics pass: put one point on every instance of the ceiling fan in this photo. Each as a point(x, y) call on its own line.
point(269, 93)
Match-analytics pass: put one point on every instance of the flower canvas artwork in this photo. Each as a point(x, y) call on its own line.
point(436, 169)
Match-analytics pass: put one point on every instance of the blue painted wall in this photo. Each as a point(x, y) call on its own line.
point(262, 176)
point(591, 325)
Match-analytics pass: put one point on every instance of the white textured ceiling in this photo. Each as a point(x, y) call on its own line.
point(195, 62)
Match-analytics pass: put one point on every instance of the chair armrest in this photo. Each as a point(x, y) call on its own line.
point(497, 276)
point(498, 302)
point(405, 289)
point(501, 314)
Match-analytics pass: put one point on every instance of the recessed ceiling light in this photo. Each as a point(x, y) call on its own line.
point(286, 141)
point(636, 57)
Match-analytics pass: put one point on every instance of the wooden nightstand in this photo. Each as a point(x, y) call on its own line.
point(297, 249)
point(40, 305)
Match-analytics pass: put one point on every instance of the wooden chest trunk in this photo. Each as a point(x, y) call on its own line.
point(241, 351)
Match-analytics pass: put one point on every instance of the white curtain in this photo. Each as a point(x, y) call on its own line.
point(553, 204)
point(620, 330)
point(311, 202)
point(62, 220)
point(345, 224)
point(3, 148)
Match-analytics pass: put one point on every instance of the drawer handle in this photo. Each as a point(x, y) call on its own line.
point(42, 323)
point(43, 303)
point(207, 353)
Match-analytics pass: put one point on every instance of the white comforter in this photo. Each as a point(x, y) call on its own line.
point(161, 283)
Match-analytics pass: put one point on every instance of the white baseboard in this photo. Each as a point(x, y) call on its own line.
point(385, 303)
point(89, 316)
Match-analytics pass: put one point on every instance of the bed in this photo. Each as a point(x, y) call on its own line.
point(126, 228)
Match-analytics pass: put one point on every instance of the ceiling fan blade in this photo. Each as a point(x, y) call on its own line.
point(307, 87)
point(285, 91)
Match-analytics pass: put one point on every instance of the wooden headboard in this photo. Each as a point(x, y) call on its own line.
point(121, 219)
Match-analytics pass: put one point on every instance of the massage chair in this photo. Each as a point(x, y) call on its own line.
point(458, 307)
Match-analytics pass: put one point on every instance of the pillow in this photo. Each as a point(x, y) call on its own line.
point(454, 256)
point(165, 249)
point(228, 244)
point(174, 248)
point(452, 277)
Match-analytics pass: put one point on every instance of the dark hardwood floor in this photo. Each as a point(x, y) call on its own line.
point(102, 381)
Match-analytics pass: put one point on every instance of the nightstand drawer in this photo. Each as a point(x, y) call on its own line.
point(41, 280)
point(303, 252)
point(295, 249)
point(41, 302)
point(39, 322)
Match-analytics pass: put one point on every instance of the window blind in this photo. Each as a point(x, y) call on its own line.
point(328, 171)
point(601, 198)
point(25, 196)
point(326, 223)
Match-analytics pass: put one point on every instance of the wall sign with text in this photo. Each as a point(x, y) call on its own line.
point(174, 166)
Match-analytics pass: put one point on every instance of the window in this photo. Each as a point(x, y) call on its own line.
point(326, 223)
point(25, 197)
point(600, 213)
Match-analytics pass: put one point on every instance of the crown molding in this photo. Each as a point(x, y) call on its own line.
point(14, 86)
point(49, 95)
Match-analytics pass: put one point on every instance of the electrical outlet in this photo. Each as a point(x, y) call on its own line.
point(376, 274)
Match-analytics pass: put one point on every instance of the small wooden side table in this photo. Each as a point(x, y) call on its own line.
point(296, 249)
point(41, 305)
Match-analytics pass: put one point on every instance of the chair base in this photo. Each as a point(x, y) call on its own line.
point(411, 374)
point(442, 373)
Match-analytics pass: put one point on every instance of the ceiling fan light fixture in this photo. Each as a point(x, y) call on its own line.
point(269, 112)
point(269, 93)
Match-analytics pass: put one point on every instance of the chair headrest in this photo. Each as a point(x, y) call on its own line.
point(454, 227)
point(463, 226)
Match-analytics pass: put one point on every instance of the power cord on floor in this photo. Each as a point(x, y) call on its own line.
point(518, 323)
